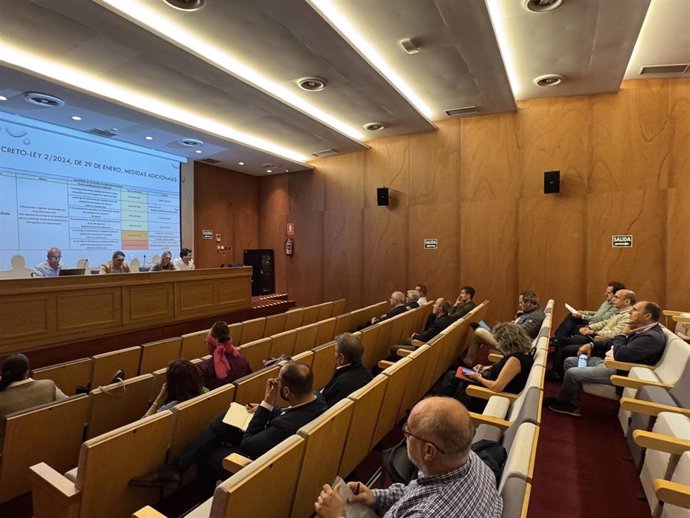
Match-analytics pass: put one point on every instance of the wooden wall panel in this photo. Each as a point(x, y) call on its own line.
point(306, 191)
point(305, 267)
point(678, 249)
point(387, 164)
point(679, 98)
point(489, 254)
point(25, 315)
point(344, 181)
point(641, 268)
point(151, 301)
point(343, 268)
point(631, 136)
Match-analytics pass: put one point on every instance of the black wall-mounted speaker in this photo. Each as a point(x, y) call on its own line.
point(552, 182)
point(382, 197)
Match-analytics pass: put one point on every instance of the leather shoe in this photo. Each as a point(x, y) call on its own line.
point(166, 477)
point(552, 375)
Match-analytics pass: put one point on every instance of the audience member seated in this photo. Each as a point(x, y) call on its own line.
point(642, 341)
point(397, 301)
point(226, 364)
point(437, 321)
point(52, 265)
point(165, 264)
point(182, 383)
point(453, 480)
point(509, 374)
point(269, 426)
point(529, 316)
point(18, 391)
point(568, 346)
point(350, 373)
point(421, 289)
point(464, 303)
point(574, 321)
point(116, 265)
point(683, 329)
point(185, 261)
point(411, 299)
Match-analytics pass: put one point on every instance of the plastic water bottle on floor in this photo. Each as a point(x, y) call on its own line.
point(582, 360)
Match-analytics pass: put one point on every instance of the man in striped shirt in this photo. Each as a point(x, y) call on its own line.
point(453, 481)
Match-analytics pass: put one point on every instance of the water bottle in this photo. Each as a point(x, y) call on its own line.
point(582, 360)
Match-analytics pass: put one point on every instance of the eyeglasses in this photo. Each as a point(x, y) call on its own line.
point(54, 257)
point(406, 432)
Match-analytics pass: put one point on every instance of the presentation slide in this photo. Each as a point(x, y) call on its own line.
point(87, 195)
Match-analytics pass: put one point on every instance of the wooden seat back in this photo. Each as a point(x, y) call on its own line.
point(236, 332)
point(67, 376)
point(413, 388)
point(395, 389)
point(194, 344)
point(305, 357)
point(326, 331)
point(323, 365)
point(369, 337)
point(343, 324)
point(294, 318)
point(26, 442)
point(275, 324)
point(325, 439)
point(256, 352)
point(115, 405)
point(338, 307)
point(367, 403)
point(305, 338)
point(325, 311)
point(156, 355)
point(283, 343)
point(104, 366)
point(251, 388)
point(252, 330)
point(310, 315)
point(266, 487)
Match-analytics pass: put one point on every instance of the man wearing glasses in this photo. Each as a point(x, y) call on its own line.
point(453, 481)
point(52, 266)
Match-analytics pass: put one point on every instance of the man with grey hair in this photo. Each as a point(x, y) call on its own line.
point(412, 299)
point(397, 301)
point(453, 480)
point(52, 265)
point(350, 373)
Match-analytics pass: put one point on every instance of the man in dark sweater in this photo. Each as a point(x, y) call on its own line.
point(350, 373)
point(441, 320)
point(642, 341)
point(464, 303)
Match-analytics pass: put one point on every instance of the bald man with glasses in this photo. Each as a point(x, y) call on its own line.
point(52, 265)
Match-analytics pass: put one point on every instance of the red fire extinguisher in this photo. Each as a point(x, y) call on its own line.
point(289, 246)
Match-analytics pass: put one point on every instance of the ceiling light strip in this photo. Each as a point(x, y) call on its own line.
point(329, 12)
point(141, 14)
point(500, 24)
point(33, 64)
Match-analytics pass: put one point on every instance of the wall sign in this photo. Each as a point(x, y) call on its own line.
point(290, 229)
point(622, 241)
point(207, 234)
point(431, 244)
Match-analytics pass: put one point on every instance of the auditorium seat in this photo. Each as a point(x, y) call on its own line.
point(251, 388)
point(310, 315)
point(283, 343)
point(306, 357)
point(343, 324)
point(156, 355)
point(414, 390)
point(369, 338)
point(105, 366)
point(338, 307)
point(25, 442)
point(305, 337)
point(252, 330)
point(395, 389)
point(256, 352)
point(118, 404)
point(323, 365)
point(275, 324)
point(675, 493)
point(325, 310)
point(326, 331)
point(235, 331)
point(294, 318)
point(67, 376)
point(106, 464)
point(194, 344)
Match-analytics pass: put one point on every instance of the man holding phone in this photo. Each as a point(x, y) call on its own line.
point(269, 426)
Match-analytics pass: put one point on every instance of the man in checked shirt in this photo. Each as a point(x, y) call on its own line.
point(453, 481)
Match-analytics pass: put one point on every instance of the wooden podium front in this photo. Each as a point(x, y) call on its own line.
point(36, 313)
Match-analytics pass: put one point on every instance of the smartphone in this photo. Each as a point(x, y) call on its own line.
point(462, 372)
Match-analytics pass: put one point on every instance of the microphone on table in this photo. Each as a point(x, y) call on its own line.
point(144, 260)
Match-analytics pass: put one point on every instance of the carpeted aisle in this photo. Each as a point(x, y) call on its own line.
point(579, 470)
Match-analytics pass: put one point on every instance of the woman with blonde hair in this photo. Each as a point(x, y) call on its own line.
point(507, 375)
point(226, 363)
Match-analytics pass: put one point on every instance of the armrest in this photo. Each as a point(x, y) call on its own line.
point(625, 366)
point(485, 393)
point(650, 408)
point(478, 419)
point(147, 512)
point(660, 442)
point(47, 478)
point(403, 352)
point(384, 364)
point(235, 462)
point(495, 357)
point(634, 383)
point(683, 320)
point(54, 495)
point(417, 343)
point(672, 492)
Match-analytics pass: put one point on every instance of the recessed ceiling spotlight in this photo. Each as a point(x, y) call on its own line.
point(549, 80)
point(312, 84)
point(541, 6)
point(191, 142)
point(374, 126)
point(269, 170)
point(186, 5)
point(148, 137)
point(287, 170)
point(240, 163)
point(41, 99)
point(198, 151)
point(3, 98)
point(114, 130)
point(76, 118)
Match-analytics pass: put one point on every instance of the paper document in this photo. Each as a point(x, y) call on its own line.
point(238, 416)
point(352, 510)
point(570, 308)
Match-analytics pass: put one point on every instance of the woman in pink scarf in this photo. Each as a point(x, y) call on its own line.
point(226, 363)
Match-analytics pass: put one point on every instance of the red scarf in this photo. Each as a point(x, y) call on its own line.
point(221, 366)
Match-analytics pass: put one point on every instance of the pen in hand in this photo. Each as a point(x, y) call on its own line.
point(357, 489)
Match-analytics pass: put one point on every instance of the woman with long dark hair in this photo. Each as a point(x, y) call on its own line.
point(226, 363)
point(182, 383)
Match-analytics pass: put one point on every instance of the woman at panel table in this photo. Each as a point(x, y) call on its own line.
point(507, 375)
point(226, 364)
point(182, 383)
point(165, 264)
